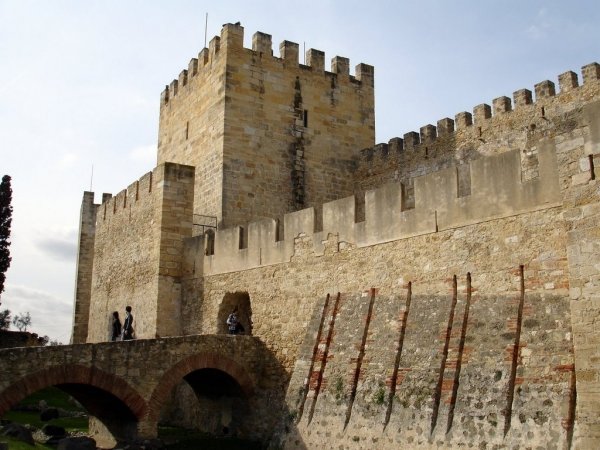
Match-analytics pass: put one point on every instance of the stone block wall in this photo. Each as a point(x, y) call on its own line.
point(85, 262)
point(456, 305)
point(267, 135)
point(518, 125)
point(512, 360)
point(292, 130)
point(497, 192)
point(285, 297)
point(12, 339)
point(192, 112)
point(138, 251)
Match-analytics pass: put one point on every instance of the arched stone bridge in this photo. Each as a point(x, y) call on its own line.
point(124, 385)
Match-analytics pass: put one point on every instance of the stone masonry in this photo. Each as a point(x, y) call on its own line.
point(145, 225)
point(124, 386)
point(266, 135)
point(438, 291)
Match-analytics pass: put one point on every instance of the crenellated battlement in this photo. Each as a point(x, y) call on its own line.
point(232, 38)
point(497, 190)
point(149, 187)
point(522, 107)
point(128, 197)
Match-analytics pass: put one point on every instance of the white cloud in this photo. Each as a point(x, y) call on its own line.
point(50, 315)
point(58, 244)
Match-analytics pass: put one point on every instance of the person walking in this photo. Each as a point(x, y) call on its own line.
point(116, 327)
point(128, 325)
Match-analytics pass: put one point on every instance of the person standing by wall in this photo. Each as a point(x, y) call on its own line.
point(116, 327)
point(232, 321)
point(128, 325)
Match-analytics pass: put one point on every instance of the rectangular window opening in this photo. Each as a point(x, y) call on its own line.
point(305, 117)
point(278, 230)
point(243, 242)
point(187, 130)
point(592, 170)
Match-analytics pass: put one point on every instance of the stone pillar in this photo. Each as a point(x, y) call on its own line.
point(83, 271)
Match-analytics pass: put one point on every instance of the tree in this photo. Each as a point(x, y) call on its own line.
point(22, 321)
point(4, 319)
point(5, 222)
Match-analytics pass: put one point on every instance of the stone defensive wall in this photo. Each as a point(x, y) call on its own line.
point(463, 316)
point(137, 246)
point(506, 125)
point(497, 190)
point(372, 337)
point(441, 178)
point(412, 370)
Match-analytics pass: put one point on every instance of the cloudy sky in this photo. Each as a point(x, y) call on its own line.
point(80, 82)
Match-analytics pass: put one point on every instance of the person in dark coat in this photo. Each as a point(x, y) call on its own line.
point(233, 322)
point(116, 327)
point(128, 325)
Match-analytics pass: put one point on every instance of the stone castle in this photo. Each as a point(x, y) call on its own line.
point(437, 291)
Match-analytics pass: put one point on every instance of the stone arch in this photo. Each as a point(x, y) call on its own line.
point(189, 365)
point(86, 384)
point(73, 374)
point(241, 301)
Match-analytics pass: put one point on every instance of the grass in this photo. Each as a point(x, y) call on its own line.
point(14, 444)
point(54, 398)
point(33, 419)
point(174, 437)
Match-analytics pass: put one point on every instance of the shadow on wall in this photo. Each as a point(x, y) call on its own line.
point(241, 301)
point(221, 403)
point(421, 370)
point(211, 401)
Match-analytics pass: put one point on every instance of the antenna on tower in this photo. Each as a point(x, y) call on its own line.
point(205, 28)
point(304, 51)
point(92, 178)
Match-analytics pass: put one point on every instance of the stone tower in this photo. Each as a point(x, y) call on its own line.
point(266, 135)
point(243, 135)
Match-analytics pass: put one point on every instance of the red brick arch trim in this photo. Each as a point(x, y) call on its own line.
point(76, 374)
point(190, 364)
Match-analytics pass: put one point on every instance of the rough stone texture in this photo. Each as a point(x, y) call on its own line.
point(509, 202)
point(85, 262)
point(125, 385)
point(9, 339)
point(145, 226)
point(243, 103)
